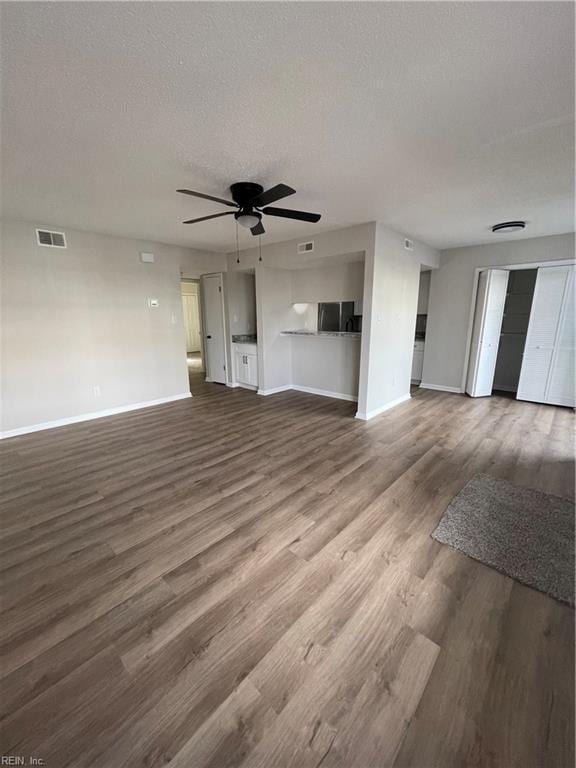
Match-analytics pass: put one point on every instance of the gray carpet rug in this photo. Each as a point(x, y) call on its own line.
point(522, 533)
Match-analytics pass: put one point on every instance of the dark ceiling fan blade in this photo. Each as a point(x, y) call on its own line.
point(258, 229)
point(286, 213)
point(205, 218)
point(207, 197)
point(271, 195)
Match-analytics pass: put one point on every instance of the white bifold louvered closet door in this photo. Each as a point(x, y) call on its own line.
point(490, 300)
point(547, 374)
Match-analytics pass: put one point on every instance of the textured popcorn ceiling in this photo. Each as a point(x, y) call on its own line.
point(438, 119)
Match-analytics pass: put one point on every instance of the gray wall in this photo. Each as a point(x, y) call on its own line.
point(378, 370)
point(332, 282)
point(451, 292)
point(274, 315)
point(78, 318)
point(240, 292)
point(327, 364)
point(348, 244)
point(424, 292)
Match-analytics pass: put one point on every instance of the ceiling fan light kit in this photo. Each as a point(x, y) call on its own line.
point(252, 203)
point(509, 226)
point(248, 220)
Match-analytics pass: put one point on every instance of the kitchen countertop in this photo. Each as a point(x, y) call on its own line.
point(325, 334)
point(244, 338)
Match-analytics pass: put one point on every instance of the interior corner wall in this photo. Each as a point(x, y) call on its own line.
point(78, 336)
point(274, 313)
point(195, 263)
point(391, 281)
point(451, 292)
point(241, 297)
point(424, 292)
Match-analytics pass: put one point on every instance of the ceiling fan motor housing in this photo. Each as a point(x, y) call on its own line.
point(245, 191)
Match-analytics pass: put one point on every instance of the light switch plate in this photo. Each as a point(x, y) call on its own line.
point(153, 303)
point(147, 258)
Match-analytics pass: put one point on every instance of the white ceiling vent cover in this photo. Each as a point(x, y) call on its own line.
point(306, 247)
point(51, 239)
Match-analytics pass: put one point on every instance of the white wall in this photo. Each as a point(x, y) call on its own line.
point(391, 282)
point(78, 318)
point(451, 292)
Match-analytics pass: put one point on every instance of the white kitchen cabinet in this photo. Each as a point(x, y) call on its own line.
point(417, 361)
point(246, 364)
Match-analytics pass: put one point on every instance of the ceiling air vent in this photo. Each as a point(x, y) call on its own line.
point(409, 245)
point(306, 247)
point(51, 239)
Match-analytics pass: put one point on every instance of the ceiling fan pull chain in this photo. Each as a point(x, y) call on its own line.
point(259, 247)
point(237, 250)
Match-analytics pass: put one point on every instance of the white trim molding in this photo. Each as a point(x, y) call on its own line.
point(274, 390)
point(324, 393)
point(91, 416)
point(309, 391)
point(442, 388)
point(363, 416)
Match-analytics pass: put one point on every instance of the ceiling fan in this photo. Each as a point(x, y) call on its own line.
point(252, 201)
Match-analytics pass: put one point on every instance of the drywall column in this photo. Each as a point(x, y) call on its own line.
point(274, 315)
point(391, 281)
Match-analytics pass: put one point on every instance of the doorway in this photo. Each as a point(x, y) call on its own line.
point(190, 290)
point(523, 341)
point(514, 328)
point(214, 327)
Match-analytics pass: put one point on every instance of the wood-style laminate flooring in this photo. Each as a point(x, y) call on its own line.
point(241, 580)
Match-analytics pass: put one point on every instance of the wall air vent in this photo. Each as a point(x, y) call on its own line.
point(51, 239)
point(409, 245)
point(306, 247)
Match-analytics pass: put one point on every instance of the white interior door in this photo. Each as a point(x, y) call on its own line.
point(561, 385)
point(547, 374)
point(490, 300)
point(214, 340)
point(191, 321)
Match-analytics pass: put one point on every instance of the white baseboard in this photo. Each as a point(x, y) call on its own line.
point(324, 393)
point(91, 416)
point(363, 416)
point(232, 384)
point(307, 390)
point(245, 386)
point(274, 390)
point(442, 388)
